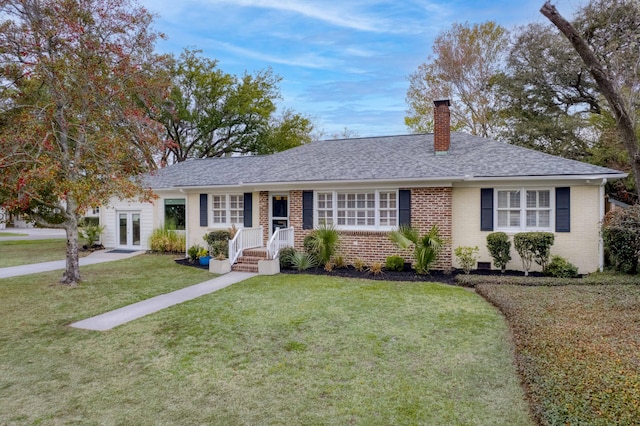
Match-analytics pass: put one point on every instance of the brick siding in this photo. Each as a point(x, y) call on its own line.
point(429, 206)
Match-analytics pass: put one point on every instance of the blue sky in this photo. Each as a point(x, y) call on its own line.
point(343, 63)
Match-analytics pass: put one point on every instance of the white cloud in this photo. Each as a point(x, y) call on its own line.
point(308, 60)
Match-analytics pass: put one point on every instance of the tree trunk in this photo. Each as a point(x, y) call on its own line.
point(624, 123)
point(71, 274)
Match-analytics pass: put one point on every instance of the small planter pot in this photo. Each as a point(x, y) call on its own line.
point(217, 266)
point(204, 260)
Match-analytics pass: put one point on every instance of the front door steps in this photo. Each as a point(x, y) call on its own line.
point(248, 261)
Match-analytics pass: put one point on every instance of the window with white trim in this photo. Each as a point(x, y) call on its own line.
point(524, 209)
point(228, 209)
point(372, 209)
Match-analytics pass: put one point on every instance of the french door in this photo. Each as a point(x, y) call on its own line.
point(129, 230)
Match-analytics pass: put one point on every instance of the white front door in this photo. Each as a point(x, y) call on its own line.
point(129, 230)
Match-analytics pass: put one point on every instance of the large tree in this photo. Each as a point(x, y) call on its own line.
point(78, 77)
point(606, 37)
point(463, 66)
point(212, 113)
point(548, 96)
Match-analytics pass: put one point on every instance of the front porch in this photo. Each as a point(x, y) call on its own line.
point(248, 253)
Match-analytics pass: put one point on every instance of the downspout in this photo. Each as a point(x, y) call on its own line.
point(600, 240)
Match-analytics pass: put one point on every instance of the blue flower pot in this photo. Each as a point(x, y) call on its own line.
point(204, 260)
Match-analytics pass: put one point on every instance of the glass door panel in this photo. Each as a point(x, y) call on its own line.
point(122, 229)
point(135, 231)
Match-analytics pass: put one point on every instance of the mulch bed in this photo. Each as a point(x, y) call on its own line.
point(410, 275)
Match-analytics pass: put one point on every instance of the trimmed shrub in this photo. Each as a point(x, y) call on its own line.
point(285, 255)
point(561, 268)
point(467, 257)
point(394, 263)
point(533, 246)
point(621, 235)
point(499, 248)
point(219, 249)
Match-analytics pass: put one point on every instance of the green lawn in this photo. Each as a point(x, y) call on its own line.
point(286, 349)
point(24, 252)
point(578, 348)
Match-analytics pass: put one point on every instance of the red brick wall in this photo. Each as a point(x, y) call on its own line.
point(264, 215)
point(429, 206)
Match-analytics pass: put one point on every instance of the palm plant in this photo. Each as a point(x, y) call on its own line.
point(324, 243)
point(425, 249)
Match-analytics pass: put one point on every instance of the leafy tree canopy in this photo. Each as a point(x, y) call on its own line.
point(211, 113)
point(77, 81)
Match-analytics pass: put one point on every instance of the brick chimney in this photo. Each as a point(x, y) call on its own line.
point(441, 127)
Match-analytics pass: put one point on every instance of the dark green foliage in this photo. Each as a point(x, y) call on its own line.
point(394, 263)
point(212, 113)
point(500, 249)
point(425, 249)
point(218, 243)
point(220, 235)
point(561, 268)
point(309, 245)
point(533, 246)
point(285, 256)
point(303, 261)
point(322, 243)
point(219, 249)
point(621, 235)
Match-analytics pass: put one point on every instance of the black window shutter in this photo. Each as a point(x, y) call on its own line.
point(486, 209)
point(307, 209)
point(248, 210)
point(203, 210)
point(404, 207)
point(563, 209)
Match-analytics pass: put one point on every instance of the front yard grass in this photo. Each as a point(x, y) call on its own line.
point(578, 349)
point(287, 349)
point(24, 252)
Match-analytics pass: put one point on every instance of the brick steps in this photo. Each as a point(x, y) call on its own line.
point(248, 261)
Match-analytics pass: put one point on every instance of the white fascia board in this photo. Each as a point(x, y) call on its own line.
point(445, 181)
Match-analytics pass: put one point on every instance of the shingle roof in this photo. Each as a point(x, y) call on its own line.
point(409, 157)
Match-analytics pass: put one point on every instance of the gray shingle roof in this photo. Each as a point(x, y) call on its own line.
point(408, 157)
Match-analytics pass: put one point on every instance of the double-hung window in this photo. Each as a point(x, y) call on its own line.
point(524, 209)
point(228, 209)
point(372, 209)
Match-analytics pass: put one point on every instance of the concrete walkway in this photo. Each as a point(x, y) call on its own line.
point(32, 234)
point(123, 315)
point(99, 256)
